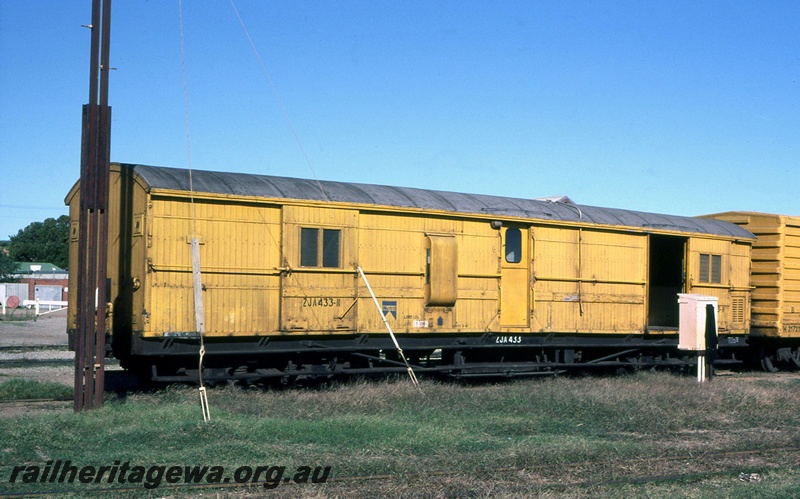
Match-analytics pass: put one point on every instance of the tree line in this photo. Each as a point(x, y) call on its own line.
point(46, 242)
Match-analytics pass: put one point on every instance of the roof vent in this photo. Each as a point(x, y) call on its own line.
point(556, 199)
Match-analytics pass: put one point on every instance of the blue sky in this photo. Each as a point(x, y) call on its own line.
point(681, 107)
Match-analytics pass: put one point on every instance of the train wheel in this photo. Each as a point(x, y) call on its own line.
point(795, 356)
point(768, 361)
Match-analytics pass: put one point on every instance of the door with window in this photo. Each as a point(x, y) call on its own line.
point(515, 286)
point(318, 288)
point(718, 268)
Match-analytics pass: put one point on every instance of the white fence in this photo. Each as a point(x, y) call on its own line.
point(47, 297)
point(52, 305)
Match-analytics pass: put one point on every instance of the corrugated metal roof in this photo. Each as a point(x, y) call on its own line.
point(30, 267)
point(242, 184)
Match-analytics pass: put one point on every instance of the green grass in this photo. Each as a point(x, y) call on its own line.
point(635, 436)
point(19, 314)
point(21, 389)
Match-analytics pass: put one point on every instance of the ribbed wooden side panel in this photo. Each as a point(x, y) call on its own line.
point(731, 274)
point(588, 280)
point(775, 272)
point(766, 273)
point(791, 278)
point(741, 281)
point(392, 254)
point(318, 298)
point(239, 257)
point(126, 269)
point(73, 200)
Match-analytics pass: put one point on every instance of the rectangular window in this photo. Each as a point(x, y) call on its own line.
point(309, 244)
point(427, 266)
point(716, 269)
point(513, 245)
point(704, 259)
point(330, 248)
point(320, 245)
point(710, 268)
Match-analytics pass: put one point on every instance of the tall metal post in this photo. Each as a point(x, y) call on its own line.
point(93, 222)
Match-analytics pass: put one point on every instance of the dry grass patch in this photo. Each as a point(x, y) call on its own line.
point(647, 435)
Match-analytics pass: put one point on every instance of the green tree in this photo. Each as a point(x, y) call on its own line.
point(46, 241)
point(7, 267)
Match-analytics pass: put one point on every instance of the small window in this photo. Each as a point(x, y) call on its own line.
point(513, 245)
point(313, 250)
point(309, 242)
point(138, 224)
point(428, 266)
point(330, 248)
point(710, 268)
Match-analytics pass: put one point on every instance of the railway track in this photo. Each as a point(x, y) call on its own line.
point(33, 362)
point(31, 348)
point(25, 356)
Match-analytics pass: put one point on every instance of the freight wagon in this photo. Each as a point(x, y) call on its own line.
point(775, 318)
point(471, 284)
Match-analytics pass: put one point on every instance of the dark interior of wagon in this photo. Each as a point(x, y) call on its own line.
point(666, 279)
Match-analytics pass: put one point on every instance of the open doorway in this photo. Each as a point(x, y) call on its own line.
point(667, 275)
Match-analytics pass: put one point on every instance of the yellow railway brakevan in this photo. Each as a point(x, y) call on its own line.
point(469, 283)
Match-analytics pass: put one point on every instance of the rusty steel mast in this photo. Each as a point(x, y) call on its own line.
point(90, 336)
